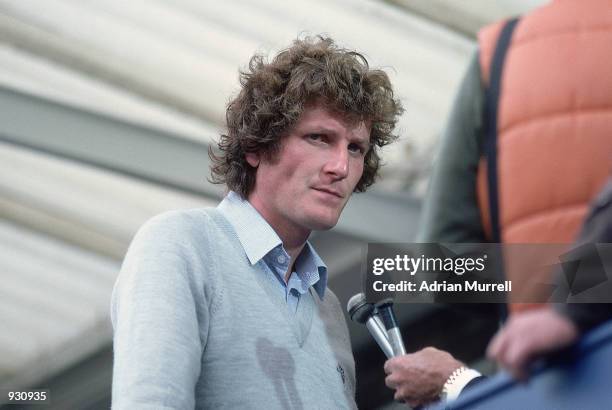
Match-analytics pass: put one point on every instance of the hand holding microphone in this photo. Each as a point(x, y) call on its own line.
point(402, 375)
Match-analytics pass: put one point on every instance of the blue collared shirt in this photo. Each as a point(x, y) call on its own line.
point(261, 242)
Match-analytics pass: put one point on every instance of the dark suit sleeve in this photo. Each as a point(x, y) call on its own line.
point(596, 229)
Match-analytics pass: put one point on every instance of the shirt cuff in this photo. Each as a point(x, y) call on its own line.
point(457, 382)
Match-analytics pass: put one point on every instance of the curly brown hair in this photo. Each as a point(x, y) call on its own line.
point(274, 94)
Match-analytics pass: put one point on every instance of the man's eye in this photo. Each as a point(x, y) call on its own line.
point(356, 148)
point(315, 137)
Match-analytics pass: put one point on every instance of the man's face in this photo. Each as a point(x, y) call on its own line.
point(308, 183)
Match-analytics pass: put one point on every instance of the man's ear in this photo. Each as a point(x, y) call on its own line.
point(253, 159)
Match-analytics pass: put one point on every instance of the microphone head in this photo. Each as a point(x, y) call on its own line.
point(384, 303)
point(358, 309)
point(385, 311)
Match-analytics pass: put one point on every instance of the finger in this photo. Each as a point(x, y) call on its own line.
point(399, 397)
point(518, 372)
point(500, 343)
point(493, 348)
point(389, 365)
point(391, 382)
point(504, 337)
point(501, 357)
point(516, 360)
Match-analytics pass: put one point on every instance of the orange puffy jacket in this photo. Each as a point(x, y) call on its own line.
point(554, 120)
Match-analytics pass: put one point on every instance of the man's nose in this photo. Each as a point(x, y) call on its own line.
point(338, 163)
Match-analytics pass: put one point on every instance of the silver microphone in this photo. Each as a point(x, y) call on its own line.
point(385, 310)
point(362, 312)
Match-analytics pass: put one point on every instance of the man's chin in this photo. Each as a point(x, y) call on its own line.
point(323, 227)
point(323, 224)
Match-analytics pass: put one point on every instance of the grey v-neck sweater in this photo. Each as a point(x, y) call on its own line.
point(196, 326)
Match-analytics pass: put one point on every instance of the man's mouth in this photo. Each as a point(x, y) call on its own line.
point(330, 191)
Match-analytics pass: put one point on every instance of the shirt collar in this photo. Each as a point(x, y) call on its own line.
point(310, 268)
point(258, 238)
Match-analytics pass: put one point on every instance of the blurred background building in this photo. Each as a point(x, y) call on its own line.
point(107, 109)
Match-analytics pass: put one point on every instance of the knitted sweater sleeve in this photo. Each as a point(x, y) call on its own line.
point(158, 314)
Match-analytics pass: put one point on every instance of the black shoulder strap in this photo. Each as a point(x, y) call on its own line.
point(491, 105)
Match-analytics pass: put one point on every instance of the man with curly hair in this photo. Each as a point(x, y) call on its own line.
point(229, 307)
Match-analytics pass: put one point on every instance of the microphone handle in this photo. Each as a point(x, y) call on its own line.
point(380, 336)
point(379, 323)
point(395, 337)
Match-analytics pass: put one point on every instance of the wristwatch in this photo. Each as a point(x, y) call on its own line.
point(457, 381)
